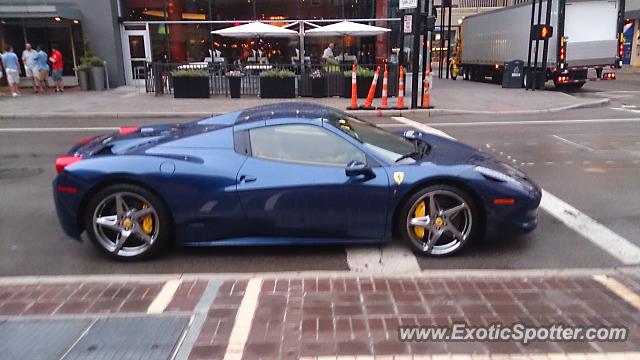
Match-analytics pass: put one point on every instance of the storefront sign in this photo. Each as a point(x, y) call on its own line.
point(408, 24)
point(408, 4)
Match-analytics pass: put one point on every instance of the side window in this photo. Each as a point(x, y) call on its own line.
point(305, 144)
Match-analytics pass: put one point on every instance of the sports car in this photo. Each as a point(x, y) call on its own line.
point(289, 173)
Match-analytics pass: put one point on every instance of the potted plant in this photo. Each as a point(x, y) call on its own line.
point(193, 84)
point(94, 66)
point(317, 83)
point(82, 71)
point(277, 84)
point(96, 72)
point(235, 77)
point(365, 77)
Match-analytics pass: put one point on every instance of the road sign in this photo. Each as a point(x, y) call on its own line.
point(408, 24)
point(408, 4)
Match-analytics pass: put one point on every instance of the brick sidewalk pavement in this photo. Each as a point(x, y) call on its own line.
point(345, 317)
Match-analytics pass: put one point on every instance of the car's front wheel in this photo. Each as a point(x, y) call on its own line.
point(438, 220)
point(127, 222)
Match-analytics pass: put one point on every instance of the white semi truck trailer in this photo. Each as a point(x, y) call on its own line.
point(586, 35)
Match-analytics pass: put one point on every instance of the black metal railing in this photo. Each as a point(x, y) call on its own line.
point(158, 79)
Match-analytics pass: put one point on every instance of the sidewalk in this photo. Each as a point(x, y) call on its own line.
point(289, 316)
point(129, 102)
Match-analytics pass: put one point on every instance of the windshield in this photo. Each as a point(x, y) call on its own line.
point(387, 146)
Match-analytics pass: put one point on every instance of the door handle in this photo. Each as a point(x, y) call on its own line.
point(247, 179)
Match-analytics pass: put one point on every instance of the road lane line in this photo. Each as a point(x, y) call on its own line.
point(619, 289)
point(524, 122)
point(164, 297)
point(56, 129)
point(422, 127)
point(579, 146)
point(612, 243)
point(244, 318)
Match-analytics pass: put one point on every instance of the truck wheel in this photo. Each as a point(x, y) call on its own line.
point(465, 73)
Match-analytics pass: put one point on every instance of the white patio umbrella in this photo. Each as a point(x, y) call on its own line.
point(255, 29)
point(347, 28)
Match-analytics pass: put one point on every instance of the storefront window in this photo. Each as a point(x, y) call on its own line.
point(233, 9)
point(143, 10)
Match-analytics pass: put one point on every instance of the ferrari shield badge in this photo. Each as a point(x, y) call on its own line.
point(398, 176)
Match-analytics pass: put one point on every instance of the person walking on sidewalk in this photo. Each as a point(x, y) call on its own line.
point(28, 59)
point(56, 68)
point(42, 69)
point(12, 69)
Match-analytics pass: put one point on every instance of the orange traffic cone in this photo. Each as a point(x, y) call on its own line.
point(426, 87)
point(372, 90)
point(354, 89)
point(385, 89)
point(400, 105)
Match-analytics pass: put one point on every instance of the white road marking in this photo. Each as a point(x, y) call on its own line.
point(243, 321)
point(525, 122)
point(612, 243)
point(579, 146)
point(619, 289)
point(422, 127)
point(164, 297)
point(626, 109)
point(57, 129)
point(387, 259)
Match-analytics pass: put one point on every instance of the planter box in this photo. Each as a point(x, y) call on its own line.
point(363, 87)
point(277, 88)
point(186, 87)
point(335, 83)
point(317, 88)
point(234, 87)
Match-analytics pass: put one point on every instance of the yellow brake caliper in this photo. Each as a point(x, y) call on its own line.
point(421, 211)
point(147, 222)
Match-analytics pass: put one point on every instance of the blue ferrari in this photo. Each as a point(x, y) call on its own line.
point(289, 173)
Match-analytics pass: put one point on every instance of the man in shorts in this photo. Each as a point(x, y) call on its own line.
point(56, 68)
point(12, 69)
point(42, 67)
point(28, 59)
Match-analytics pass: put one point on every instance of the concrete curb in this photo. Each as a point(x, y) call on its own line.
point(390, 112)
point(424, 274)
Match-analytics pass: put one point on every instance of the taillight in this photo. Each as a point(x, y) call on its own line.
point(621, 52)
point(128, 130)
point(86, 140)
point(562, 53)
point(64, 161)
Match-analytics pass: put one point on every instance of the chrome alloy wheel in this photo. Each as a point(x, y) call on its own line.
point(439, 222)
point(125, 224)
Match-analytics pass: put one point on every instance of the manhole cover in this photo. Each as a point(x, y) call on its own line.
point(19, 173)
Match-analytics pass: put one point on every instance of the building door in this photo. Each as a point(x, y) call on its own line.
point(137, 52)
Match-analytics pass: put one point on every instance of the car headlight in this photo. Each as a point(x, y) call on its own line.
point(494, 175)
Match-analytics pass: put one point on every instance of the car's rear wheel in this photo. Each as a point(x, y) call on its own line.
point(438, 220)
point(127, 222)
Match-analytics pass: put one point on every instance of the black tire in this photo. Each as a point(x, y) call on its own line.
point(472, 225)
point(162, 227)
point(465, 73)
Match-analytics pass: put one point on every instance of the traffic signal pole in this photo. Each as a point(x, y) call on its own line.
point(415, 55)
point(545, 49)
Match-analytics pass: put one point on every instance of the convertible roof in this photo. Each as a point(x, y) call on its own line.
point(283, 110)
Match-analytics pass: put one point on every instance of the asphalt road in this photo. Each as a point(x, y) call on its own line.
point(593, 166)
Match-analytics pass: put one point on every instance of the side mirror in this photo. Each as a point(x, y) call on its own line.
point(412, 135)
point(357, 168)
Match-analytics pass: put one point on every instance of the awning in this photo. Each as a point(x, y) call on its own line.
point(64, 11)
